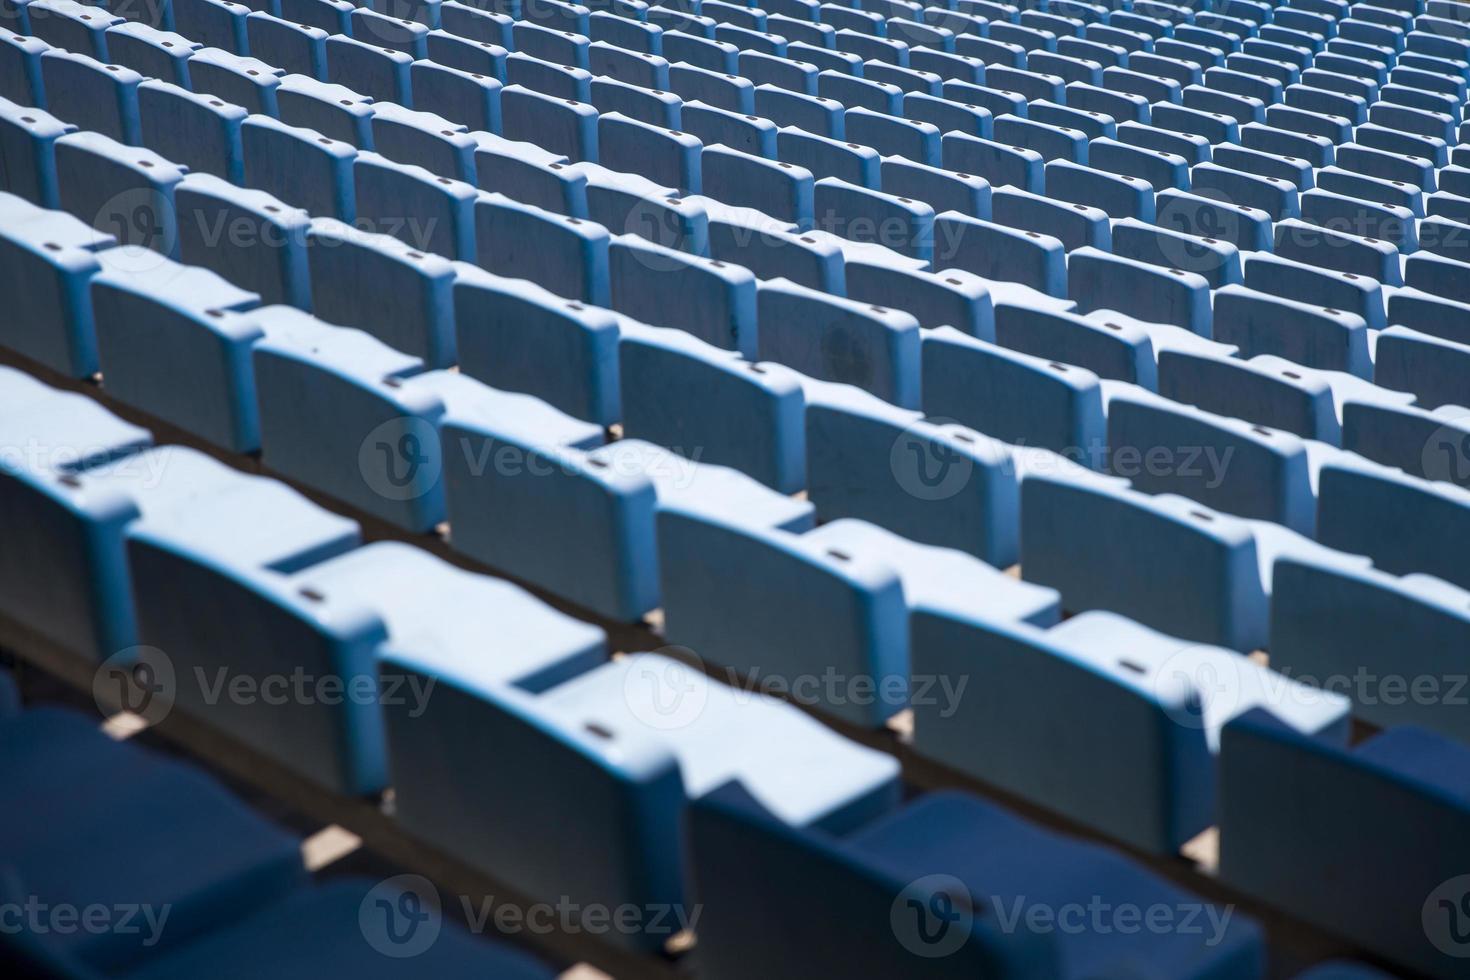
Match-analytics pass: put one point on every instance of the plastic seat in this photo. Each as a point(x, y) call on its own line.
point(122, 189)
point(665, 287)
point(28, 144)
point(551, 79)
point(995, 162)
point(1132, 696)
point(1345, 291)
point(741, 852)
point(824, 157)
point(381, 73)
point(335, 111)
point(680, 392)
point(1397, 774)
point(527, 173)
point(200, 132)
point(812, 113)
point(1318, 337)
point(993, 251)
point(93, 96)
point(657, 108)
point(743, 132)
point(840, 340)
point(782, 190)
point(300, 167)
point(1429, 366)
point(151, 52)
point(247, 237)
point(1099, 280)
point(567, 256)
point(74, 27)
point(158, 323)
point(296, 48)
point(1119, 351)
point(1074, 225)
point(1010, 396)
point(775, 250)
point(1207, 576)
point(1052, 142)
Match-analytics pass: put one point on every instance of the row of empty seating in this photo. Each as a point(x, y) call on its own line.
point(1082, 280)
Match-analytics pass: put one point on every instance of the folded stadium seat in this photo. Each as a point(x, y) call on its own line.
point(212, 23)
point(380, 73)
point(1178, 62)
point(1100, 280)
point(910, 80)
point(1347, 292)
point(1239, 109)
point(175, 343)
point(300, 167)
point(1145, 695)
point(1090, 124)
point(871, 48)
point(724, 90)
point(1052, 142)
point(774, 250)
point(552, 80)
point(945, 858)
point(859, 214)
point(947, 115)
point(1430, 314)
point(1422, 122)
point(550, 44)
point(47, 261)
point(1338, 251)
point(390, 33)
point(1314, 336)
point(94, 96)
point(993, 251)
point(246, 82)
point(1259, 163)
point(655, 107)
point(526, 173)
point(798, 31)
point(1101, 51)
point(1393, 193)
point(466, 54)
point(295, 48)
point(918, 34)
point(563, 126)
point(950, 297)
point(476, 23)
point(1067, 68)
point(1325, 102)
point(782, 190)
point(428, 212)
point(912, 139)
point(605, 501)
point(849, 583)
point(335, 111)
point(1194, 214)
point(692, 48)
point(20, 68)
point(124, 189)
point(1194, 573)
point(995, 101)
point(332, 16)
point(626, 201)
point(1272, 391)
point(1356, 216)
point(1438, 275)
point(607, 735)
point(834, 339)
point(1011, 396)
point(246, 236)
point(1158, 445)
point(202, 859)
point(1334, 81)
point(1119, 195)
point(329, 928)
point(1275, 196)
point(1074, 225)
point(1000, 164)
point(770, 69)
point(743, 132)
point(1120, 351)
point(933, 482)
point(813, 113)
point(942, 190)
point(946, 65)
point(732, 14)
point(425, 140)
point(382, 285)
point(151, 52)
point(1402, 773)
point(1216, 261)
point(825, 157)
point(825, 59)
point(1421, 443)
point(853, 92)
point(680, 392)
point(1409, 521)
point(565, 255)
point(1399, 141)
point(196, 131)
point(663, 287)
point(569, 17)
point(1432, 367)
point(517, 336)
point(630, 67)
point(75, 27)
point(1190, 147)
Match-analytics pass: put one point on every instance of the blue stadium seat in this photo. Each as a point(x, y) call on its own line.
point(28, 147)
point(782, 190)
point(1431, 367)
point(1427, 444)
point(1296, 329)
point(565, 255)
point(1119, 351)
point(993, 251)
point(297, 48)
point(655, 107)
point(247, 237)
point(825, 157)
point(1099, 280)
point(94, 96)
point(335, 111)
point(846, 341)
point(379, 73)
point(200, 132)
point(123, 190)
point(151, 52)
point(1132, 695)
point(1074, 225)
point(664, 287)
point(301, 167)
point(774, 250)
point(1346, 291)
